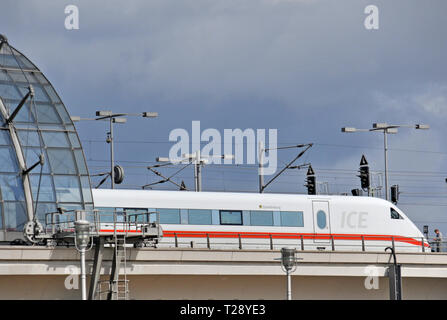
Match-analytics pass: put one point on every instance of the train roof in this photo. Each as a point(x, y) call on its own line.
point(122, 197)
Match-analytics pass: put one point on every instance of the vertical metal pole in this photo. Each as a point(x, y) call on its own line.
point(112, 159)
point(385, 142)
point(289, 285)
point(195, 176)
point(208, 241)
point(261, 166)
point(83, 276)
point(199, 171)
point(96, 273)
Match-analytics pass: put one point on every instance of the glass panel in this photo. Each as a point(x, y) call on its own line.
point(61, 161)
point(105, 214)
point(19, 76)
point(24, 115)
point(4, 76)
point(9, 91)
point(40, 77)
point(80, 161)
point(63, 113)
point(8, 60)
point(86, 190)
point(395, 214)
point(8, 160)
point(32, 156)
point(261, 218)
point(321, 219)
point(53, 95)
point(43, 209)
point(231, 217)
point(71, 207)
point(24, 62)
point(292, 219)
point(29, 138)
point(11, 187)
point(1, 216)
point(55, 139)
point(74, 140)
point(169, 216)
point(47, 113)
point(46, 191)
point(15, 216)
point(39, 93)
point(196, 216)
point(67, 188)
point(4, 138)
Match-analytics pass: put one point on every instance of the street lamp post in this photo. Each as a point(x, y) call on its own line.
point(82, 238)
point(386, 129)
point(288, 264)
point(114, 118)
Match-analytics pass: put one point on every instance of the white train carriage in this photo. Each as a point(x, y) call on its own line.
point(263, 221)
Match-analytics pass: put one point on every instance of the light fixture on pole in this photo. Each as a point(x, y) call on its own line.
point(82, 239)
point(386, 129)
point(114, 118)
point(288, 265)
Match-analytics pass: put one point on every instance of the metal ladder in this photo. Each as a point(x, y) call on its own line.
point(120, 285)
point(117, 287)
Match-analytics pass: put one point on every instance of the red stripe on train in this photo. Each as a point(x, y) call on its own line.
point(262, 235)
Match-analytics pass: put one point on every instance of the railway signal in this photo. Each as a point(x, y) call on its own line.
point(311, 183)
point(394, 193)
point(364, 173)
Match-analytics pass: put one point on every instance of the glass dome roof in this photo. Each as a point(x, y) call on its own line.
point(41, 126)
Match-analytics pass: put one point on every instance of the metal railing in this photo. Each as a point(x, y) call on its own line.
point(114, 222)
point(236, 240)
point(437, 245)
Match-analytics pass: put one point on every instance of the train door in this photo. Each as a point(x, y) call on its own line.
point(322, 221)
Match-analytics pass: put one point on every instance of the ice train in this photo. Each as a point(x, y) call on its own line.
point(262, 221)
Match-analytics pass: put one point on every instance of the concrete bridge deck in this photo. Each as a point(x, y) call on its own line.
point(185, 273)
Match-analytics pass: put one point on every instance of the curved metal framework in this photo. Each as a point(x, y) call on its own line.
point(42, 164)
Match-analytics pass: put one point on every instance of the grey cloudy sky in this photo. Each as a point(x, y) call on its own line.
point(304, 67)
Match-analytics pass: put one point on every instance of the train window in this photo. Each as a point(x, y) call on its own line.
point(169, 216)
point(395, 214)
point(197, 216)
point(321, 219)
point(292, 219)
point(261, 218)
point(231, 217)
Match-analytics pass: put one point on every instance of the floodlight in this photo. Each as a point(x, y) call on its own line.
point(103, 113)
point(150, 114)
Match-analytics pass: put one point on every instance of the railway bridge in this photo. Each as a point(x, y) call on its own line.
point(32, 272)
